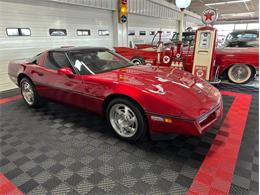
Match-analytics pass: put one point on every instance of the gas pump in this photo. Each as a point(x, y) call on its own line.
point(167, 57)
point(205, 49)
point(205, 53)
point(177, 60)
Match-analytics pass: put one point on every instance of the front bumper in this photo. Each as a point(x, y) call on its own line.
point(185, 126)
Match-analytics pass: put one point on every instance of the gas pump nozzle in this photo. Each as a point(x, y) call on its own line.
point(159, 51)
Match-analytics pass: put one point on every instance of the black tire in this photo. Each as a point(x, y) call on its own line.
point(37, 101)
point(233, 70)
point(138, 60)
point(141, 132)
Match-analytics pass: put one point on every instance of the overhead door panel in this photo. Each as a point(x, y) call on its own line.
point(40, 18)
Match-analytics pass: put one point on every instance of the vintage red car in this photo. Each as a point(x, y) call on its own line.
point(136, 100)
point(239, 65)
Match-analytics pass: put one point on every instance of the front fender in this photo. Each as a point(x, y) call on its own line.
point(151, 103)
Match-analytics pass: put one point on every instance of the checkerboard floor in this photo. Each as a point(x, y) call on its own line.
point(63, 150)
point(246, 175)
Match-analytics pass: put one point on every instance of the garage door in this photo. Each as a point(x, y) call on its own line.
point(82, 26)
point(142, 28)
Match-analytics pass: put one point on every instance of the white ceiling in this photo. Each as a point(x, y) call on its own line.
point(230, 10)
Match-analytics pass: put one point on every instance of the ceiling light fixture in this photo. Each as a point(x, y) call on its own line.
point(227, 2)
point(238, 14)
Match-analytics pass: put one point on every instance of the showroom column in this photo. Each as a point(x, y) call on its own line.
point(120, 31)
point(120, 24)
point(182, 5)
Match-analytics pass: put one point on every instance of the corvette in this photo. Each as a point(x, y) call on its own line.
point(136, 100)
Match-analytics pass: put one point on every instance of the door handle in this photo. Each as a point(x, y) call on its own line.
point(38, 73)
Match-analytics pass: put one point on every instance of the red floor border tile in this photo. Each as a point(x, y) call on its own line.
point(216, 172)
point(9, 99)
point(7, 187)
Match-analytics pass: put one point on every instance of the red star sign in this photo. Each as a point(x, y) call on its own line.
point(208, 15)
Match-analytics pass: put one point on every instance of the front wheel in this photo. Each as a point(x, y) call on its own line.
point(240, 73)
point(126, 119)
point(30, 94)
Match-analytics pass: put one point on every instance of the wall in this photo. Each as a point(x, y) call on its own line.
point(39, 17)
point(159, 13)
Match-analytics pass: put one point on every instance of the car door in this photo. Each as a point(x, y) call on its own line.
point(55, 86)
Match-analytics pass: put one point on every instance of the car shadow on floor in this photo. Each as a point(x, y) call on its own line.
point(65, 123)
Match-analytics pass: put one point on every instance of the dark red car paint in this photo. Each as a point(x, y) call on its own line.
point(186, 97)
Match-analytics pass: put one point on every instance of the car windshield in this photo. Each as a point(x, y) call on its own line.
point(242, 35)
point(94, 61)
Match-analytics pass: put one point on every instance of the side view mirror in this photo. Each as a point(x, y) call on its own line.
point(66, 71)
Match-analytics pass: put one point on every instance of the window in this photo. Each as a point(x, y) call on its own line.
point(36, 59)
point(83, 32)
point(56, 60)
point(142, 33)
point(240, 26)
point(152, 33)
point(58, 32)
point(225, 27)
point(25, 32)
point(12, 31)
point(94, 61)
point(243, 35)
point(103, 32)
point(131, 32)
point(253, 26)
point(18, 32)
point(247, 36)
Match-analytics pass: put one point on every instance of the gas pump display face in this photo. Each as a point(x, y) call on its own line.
point(204, 40)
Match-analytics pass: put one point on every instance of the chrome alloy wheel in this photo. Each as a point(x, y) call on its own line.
point(239, 73)
point(137, 61)
point(123, 120)
point(27, 92)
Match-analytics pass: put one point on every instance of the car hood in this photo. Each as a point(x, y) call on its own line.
point(171, 86)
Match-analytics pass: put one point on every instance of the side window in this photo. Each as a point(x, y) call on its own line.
point(152, 33)
point(18, 31)
point(57, 32)
point(142, 32)
point(83, 32)
point(131, 32)
point(36, 59)
point(103, 32)
point(56, 60)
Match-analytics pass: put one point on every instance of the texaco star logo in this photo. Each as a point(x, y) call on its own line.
point(209, 16)
point(200, 73)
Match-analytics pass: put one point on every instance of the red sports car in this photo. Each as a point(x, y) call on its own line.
point(136, 100)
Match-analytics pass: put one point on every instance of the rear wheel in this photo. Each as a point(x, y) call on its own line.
point(138, 60)
point(30, 94)
point(126, 119)
point(240, 73)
